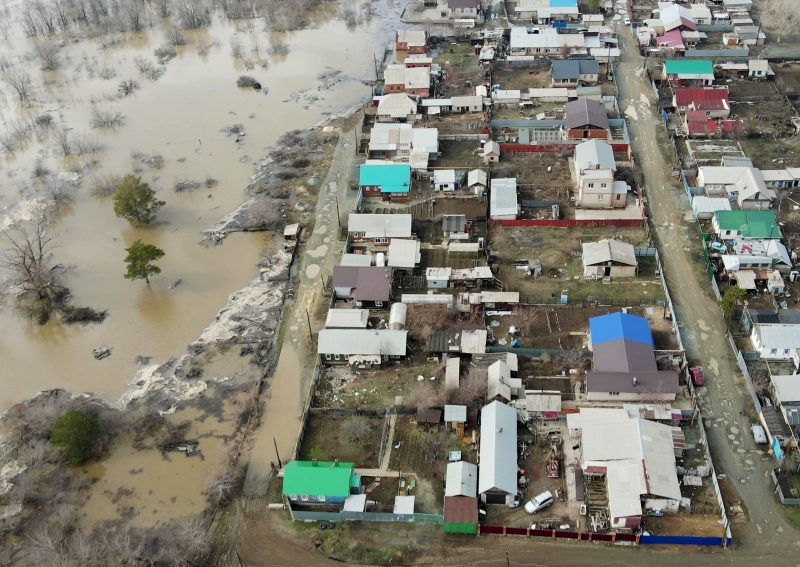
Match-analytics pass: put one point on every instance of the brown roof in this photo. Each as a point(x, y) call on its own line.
point(460, 510)
point(624, 355)
point(584, 111)
point(660, 382)
point(429, 416)
point(372, 283)
point(462, 4)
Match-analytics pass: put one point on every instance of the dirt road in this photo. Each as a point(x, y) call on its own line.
point(724, 400)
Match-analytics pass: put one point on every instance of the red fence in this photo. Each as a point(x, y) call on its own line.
point(567, 223)
point(558, 534)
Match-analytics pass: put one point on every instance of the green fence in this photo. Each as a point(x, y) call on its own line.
point(437, 519)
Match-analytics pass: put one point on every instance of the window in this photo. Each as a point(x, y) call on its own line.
point(591, 185)
point(327, 357)
point(321, 498)
point(786, 352)
point(304, 497)
point(379, 304)
point(619, 197)
point(293, 497)
point(613, 393)
point(603, 185)
point(601, 197)
point(336, 357)
point(773, 352)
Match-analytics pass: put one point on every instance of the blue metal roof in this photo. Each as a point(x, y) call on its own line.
point(391, 178)
point(563, 3)
point(620, 326)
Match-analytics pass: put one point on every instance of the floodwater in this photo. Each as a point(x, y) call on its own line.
point(179, 117)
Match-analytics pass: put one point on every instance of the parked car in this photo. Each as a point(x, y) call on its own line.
point(758, 434)
point(539, 502)
point(627, 21)
point(696, 373)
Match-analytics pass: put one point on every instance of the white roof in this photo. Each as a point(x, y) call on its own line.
point(395, 74)
point(451, 375)
point(416, 298)
point(411, 37)
point(626, 484)
point(462, 477)
point(546, 40)
point(703, 204)
point(589, 155)
point(498, 450)
point(444, 176)
point(404, 505)
point(671, 16)
point(506, 95)
point(356, 260)
point(473, 341)
point(291, 229)
point(491, 147)
point(746, 180)
point(542, 401)
point(779, 336)
point(463, 246)
point(404, 253)
point(438, 273)
point(776, 175)
point(503, 197)
point(417, 78)
point(498, 382)
point(746, 279)
point(787, 388)
point(347, 319)
point(608, 250)
point(377, 226)
point(390, 136)
point(476, 177)
point(549, 93)
point(455, 413)
point(461, 101)
point(362, 341)
point(396, 105)
point(476, 273)
point(659, 457)
point(499, 297)
point(355, 503)
point(758, 65)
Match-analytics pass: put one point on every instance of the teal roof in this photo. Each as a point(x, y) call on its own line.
point(752, 224)
point(688, 67)
point(391, 178)
point(315, 478)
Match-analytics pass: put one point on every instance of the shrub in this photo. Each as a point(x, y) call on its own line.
point(76, 432)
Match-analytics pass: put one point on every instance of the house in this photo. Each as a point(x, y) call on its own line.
point(778, 341)
point(786, 392)
point(347, 319)
point(404, 255)
point(385, 180)
point(360, 346)
point(624, 362)
point(746, 224)
point(636, 456)
point(544, 404)
point(364, 286)
point(464, 104)
point(454, 226)
point(500, 385)
point(572, 72)
point(396, 107)
point(380, 229)
point(503, 199)
point(438, 278)
point(586, 119)
point(675, 17)
point(608, 258)
point(758, 254)
point(411, 41)
point(447, 180)
point(491, 152)
point(546, 42)
point(400, 141)
point(745, 185)
point(410, 80)
point(671, 41)
point(412, 61)
point(713, 102)
point(450, 342)
point(497, 474)
point(595, 167)
point(476, 182)
point(690, 71)
point(759, 69)
point(455, 417)
point(313, 482)
point(463, 9)
point(697, 125)
point(460, 498)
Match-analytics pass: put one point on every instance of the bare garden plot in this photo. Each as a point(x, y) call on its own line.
point(522, 78)
point(456, 123)
point(770, 153)
point(461, 70)
point(711, 152)
point(347, 387)
point(540, 176)
point(460, 155)
point(349, 439)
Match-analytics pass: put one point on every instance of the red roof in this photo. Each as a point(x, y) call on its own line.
point(697, 123)
point(672, 39)
point(703, 99)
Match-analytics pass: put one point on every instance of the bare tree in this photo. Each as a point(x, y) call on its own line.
point(433, 446)
point(106, 119)
point(193, 537)
point(164, 7)
point(781, 16)
point(174, 36)
point(192, 14)
point(278, 44)
point(131, 13)
point(129, 86)
point(237, 50)
point(356, 428)
point(20, 82)
point(35, 281)
point(760, 379)
point(64, 145)
point(48, 53)
point(471, 390)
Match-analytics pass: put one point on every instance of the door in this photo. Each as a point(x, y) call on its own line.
point(607, 271)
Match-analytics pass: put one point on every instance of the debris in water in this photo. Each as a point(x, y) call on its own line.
point(176, 284)
point(102, 352)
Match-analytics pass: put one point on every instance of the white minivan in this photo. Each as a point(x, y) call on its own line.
point(539, 502)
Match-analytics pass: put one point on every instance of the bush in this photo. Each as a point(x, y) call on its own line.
point(76, 432)
point(245, 81)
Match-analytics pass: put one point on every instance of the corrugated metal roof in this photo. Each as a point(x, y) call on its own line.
point(542, 401)
point(498, 450)
point(404, 253)
point(703, 99)
point(476, 177)
point(499, 297)
point(455, 413)
point(586, 112)
point(462, 477)
point(367, 283)
point(356, 260)
point(626, 483)
point(413, 38)
point(608, 250)
point(620, 326)
point(362, 342)
point(503, 198)
point(377, 226)
point(347, 318)
point(778, 337)
point(473, 341)
point(657, 382)
point(624, 355)
point(751, 224)
point(573, 68)
point(693, 67)
point(460, 510)
point(396, 105)
point(404, 505)
point(391, 177)
point(317, 478)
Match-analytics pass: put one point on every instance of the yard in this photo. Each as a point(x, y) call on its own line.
point(462, 155)
point(770, 153)
point(326, 439)
point(710, 152)
point(522, 78)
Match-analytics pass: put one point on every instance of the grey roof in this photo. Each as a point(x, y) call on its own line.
point(572, 68)
point(455, 413)
point(462, 4)
point(462, 477)
point(356, 260)
point(404, 253)
point(624, 355)
point(347, 319)
point(769, 317)
point(373, 283)
point(659, 382)
point(608, 250)
point(586, 111)
point(362, 342)
point(454, 223)
point(378, 226)
point(503, 197)
point(498, 451)
point(776, 424)
point(594, 153)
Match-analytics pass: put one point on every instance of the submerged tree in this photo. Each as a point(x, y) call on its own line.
point(76, 432)
point(140, 260)
point(135, 201)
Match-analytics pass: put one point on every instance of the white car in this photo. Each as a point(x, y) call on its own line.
point(539, 502)
point(627, 21)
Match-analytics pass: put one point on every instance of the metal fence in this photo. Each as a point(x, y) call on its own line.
point(779, 490)
point(567, 223)
point(746, 373)
point(313, 515)
point(538, 352)
point(591, 300)
point(306, 407)
point(682, 540)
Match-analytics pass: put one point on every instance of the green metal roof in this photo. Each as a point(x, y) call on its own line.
point(391, 178)
point(689, 67)
point(325, 478)
point(752, 224)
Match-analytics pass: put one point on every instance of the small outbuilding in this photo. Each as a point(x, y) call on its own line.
point(609, 258)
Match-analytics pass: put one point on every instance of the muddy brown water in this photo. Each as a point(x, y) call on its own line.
point(179, 117)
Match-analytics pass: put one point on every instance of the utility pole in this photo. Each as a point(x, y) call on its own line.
point(508, 563)
point(308, 320)
point(338, 215)
point(375, 60)
point(280, 465)
point(241, 564)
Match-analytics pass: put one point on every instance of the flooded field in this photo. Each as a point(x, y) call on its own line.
point(177, 119)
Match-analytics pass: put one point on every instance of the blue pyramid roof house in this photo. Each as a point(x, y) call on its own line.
point(615, 326)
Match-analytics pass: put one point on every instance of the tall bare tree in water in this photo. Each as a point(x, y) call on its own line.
point(35, 281)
